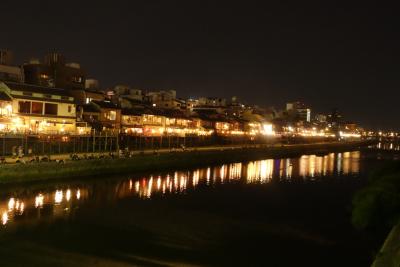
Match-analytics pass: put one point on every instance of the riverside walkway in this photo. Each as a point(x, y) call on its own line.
point(66, 157)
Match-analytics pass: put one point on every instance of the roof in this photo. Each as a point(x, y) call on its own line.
point(134, 112)
point(105, 104)
point(173, 113)
point(90, 108)
point(4, 96)
point(93, 91)
point(136, 101)
point(36, 89)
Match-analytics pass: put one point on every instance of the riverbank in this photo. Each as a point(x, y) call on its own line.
point(143, 162)
point(389, 255)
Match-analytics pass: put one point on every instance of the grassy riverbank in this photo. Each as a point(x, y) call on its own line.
point(376, 209)
point(389, 255)
point(19, 173)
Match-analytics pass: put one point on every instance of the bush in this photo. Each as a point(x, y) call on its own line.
point(378, 205)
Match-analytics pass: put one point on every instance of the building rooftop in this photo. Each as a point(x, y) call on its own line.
point(133, 112)
point(105, 104)
point(36, 89)
point(94, 91)
point(90, 108)
point(4, 96)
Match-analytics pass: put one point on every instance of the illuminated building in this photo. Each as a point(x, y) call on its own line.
point(131, 121)
point(157, 122)
point(101, 115)
point(35, 109)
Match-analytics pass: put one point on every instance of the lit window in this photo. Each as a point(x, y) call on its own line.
point(77, 79)
point(111, 115)
point(5, 109)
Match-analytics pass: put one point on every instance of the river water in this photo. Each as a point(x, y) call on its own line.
point(60, 200)
point(304, 189)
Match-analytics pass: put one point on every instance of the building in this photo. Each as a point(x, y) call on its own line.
point(321, 118)
point(165, 100)
point(177, 123)
point(6, 57)
point(101, 115)
point(212, 101)
point(90, 95)
point(335, 119)
point(36, 110)
point(131, 121)
point(147, 122)
point(55, 72)
point(127, 97)
point(206, 104)
point(9, 72)
point(157, 122)
point(299, 111)
point(128, 92)
point(92, 84)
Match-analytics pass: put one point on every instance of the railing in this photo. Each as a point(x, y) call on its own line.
point(106, 142)
point(111, 141)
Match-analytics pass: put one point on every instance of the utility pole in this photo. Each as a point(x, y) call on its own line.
point(94, 139)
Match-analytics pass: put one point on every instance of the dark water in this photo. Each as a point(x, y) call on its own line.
point(60, 200)
point(242, 214)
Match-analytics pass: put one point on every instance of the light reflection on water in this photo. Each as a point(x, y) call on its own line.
point(60, 202)
point(391, 146)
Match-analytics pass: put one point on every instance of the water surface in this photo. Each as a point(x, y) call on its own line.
point(60, 201)
point(274, 212)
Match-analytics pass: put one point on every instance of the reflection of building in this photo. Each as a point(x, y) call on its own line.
point(35, 109)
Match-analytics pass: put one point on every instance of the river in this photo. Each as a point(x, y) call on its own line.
point(274, 211)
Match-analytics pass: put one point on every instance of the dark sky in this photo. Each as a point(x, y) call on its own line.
point(325, 54)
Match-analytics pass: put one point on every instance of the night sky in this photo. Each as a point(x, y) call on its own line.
point(327, 55)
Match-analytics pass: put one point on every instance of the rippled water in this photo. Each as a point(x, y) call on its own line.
point(37, 204)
